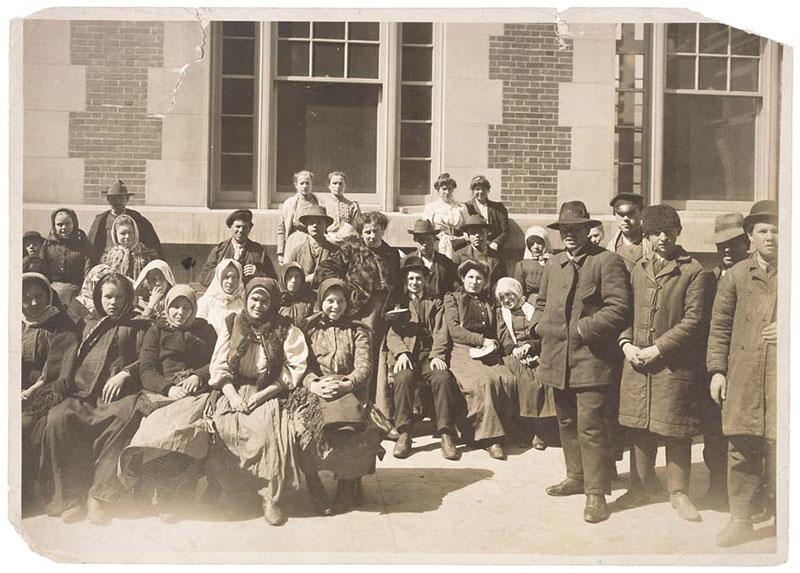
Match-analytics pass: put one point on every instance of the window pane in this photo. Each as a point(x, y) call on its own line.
point(680, 72)
point(415, 102)
point(238, 57)
point(415, 140)
point(328, 59)
point(292, 58)
point(713, 74)
point(327, 127)
point(415, 177)
point(417, 65)
point(744, 44)
point(744, 74)
point(236, 172)
point(362, 61)
point(237, 135)
point(293, 29)
point(239, 29)
point(237, 96)
point(713, 39)
point(330, 30)
point(365, 31)
point(417, 33)
point(681, 38)
point(709, 147)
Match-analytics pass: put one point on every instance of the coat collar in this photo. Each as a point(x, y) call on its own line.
point(756, 271)
point(682, 258)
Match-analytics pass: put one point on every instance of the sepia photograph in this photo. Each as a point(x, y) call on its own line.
point(444, 286)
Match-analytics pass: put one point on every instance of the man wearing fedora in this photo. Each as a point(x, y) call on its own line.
point(442, 273)
point(583, 305)
point(628, 242)
point(742, 361)
point(478, 249)
point(251, 255)
point(494, 212)
point(100, 232)
point(316, 247)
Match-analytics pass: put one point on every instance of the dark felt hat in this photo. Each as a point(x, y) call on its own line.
point(480, 181)
point(423, 227)
point(657, 218)
point(415, 263)
point(476, 222)
point(239, 214)
point(727, 226)
point(573, 213)
point(32, 236)
point(315, 212)
point(765, 211)
point(633, 198)
point(117, 189)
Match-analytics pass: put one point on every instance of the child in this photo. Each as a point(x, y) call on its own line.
point(225, 294)
point(297, 298)
point(151, 286)
point(530, 269)
point(128, 256)
point(32, 261)
point(66, 254)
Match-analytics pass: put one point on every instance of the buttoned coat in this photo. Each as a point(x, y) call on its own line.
point(497, 217)
point(442, 278)
point(497, 266)
point(579, 314)
point(426, 319)
point(746, 302)
point(669, 311)
point(254, 254)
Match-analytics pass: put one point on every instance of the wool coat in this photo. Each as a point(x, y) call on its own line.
point(442, 278)
point(746, 302)
point(66, 260)
point(423, 332)
point(497, 266)
point(497, 218)
point(254, 254)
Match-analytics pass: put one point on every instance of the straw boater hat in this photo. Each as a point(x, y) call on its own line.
point(423, 227)
point(476, 222)
point(117, 189)
point(765, 211)
point(240, 215)
point(315, 212)
point(727, 226)
point(572, 213)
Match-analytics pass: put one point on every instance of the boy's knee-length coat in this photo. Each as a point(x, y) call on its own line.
point(670, 311)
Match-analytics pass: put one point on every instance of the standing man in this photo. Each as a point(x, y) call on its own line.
point(100, 233)
point(316, 247)
point(742, 361)
point(251, 255)
point(628, 241)
point(442, 273)
point(494, 212)
point(583, 305)
point(479, 249)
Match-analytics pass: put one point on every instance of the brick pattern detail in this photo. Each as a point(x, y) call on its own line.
point(529, 146)
point(114, 135)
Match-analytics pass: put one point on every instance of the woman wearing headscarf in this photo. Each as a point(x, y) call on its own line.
point(128, 255)
point(86, 432)
point(258, 357)
point(151, 287)
point(530, 269)
point(297, 298)
point(83, 304)
point(49, 344)
point(332, 429)
point(167, 450)
point(224, 296)
point(447, 216)
point(66, 254)
point(521, 355)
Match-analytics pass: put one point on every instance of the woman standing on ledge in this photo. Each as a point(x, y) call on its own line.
point(447, 216)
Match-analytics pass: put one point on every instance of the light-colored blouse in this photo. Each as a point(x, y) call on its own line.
point(448, 218)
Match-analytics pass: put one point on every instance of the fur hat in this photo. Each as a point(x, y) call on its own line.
point(657, 218)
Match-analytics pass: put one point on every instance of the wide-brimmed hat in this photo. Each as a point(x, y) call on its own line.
point(414, 263)
point(727, 226)
point(315, 212)
point(765, 211)
point(239, 215)
point(117, 189)
point(572, 213)
point(633, 198)
point(476, 222)
point(423, 227)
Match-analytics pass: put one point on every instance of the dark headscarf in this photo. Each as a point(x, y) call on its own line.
point(270, 286)
point(76, 231)
point(127, 287)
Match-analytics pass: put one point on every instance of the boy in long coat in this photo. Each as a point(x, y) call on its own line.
point(742, 362)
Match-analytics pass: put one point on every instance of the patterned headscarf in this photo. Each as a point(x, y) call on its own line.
point(86, 297)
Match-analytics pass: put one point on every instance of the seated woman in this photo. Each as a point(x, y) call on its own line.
point(167, 450)
point(259, 355)
point(333, 432)
point(86, 432)
point(65, 253)
point(83, 304)
point(150, 288)
point(530, 269)
point(488, 386)
point(521, 355)
point(224, 296)
point(49, 344)
point(297, 298)
point(127, 256)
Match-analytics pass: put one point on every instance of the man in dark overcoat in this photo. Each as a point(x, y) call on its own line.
point(442, 275)
point(742, 361)
point(583, 306)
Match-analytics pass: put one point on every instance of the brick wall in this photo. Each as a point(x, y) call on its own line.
point(529, 146)
point(113, 135)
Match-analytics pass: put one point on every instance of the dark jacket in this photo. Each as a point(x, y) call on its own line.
point(669, 310)
point(147, 235)
point(67, 260)
point(579, 315)
point(529, 274)
point(167, 351)
point(254, 254)
point(443, 277)
point(422, 334)
point(497, 266)
point(746, 302)
point(48, 350)
point(497, 218)
point(461, 330)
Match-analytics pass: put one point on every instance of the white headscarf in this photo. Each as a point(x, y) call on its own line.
point(156, 264)
point(94, 275)
point(536, 231)
point(215, 304)
point(50, 310)
point(506, 285)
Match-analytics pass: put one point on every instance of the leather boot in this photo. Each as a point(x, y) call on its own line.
point(684, 506)
point(402, 449)
point(273, 512)
point(538, 443)
point(449, 451)
point(736, 532)
point(569, 486)
point(96, 512)
point(596, 509)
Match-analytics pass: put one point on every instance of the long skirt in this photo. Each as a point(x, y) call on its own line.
point(253, 452)
point(82, 442)
point(490, 391)
point(535, 400)
point(170, 444)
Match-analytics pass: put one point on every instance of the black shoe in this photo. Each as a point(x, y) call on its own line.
point(736, 532)
point(496, 451)
point(345, 495)
point(402, 448)
point(567, 487)
point(449, 450)
point(596, 509)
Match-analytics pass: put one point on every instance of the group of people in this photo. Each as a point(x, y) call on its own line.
point(133, 383)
